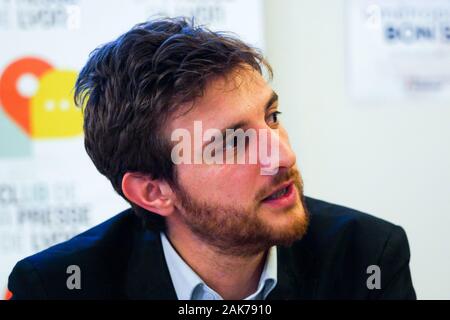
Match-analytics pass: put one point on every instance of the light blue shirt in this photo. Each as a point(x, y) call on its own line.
point(189, 286)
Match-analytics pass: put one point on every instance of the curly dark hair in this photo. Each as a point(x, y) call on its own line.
point(129, 87)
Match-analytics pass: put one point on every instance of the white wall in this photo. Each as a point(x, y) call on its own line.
point(388, 159)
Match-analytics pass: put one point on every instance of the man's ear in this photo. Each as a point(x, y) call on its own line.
point(151, 194)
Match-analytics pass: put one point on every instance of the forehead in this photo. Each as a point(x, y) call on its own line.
point(239, 96)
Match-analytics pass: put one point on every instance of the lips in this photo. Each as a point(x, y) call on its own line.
point(279, 191)
point(282, 198)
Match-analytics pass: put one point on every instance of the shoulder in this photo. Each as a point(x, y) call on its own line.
point(336, 223)
point(100, 254)
point(346, 244)
point(335, 227)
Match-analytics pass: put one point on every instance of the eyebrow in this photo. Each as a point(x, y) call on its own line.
point(241, 124)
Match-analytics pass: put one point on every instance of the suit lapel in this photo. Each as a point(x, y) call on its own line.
point(148, 276)
point(297, 279)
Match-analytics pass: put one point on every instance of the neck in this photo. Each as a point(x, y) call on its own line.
point(233, 277)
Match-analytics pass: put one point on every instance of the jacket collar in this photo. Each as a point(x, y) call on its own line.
point(297, 269)
point(148, 276)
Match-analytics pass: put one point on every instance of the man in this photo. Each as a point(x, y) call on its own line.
point(221, 219)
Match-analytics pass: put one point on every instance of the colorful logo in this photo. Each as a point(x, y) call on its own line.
point(39, 99)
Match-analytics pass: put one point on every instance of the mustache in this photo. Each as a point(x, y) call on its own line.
point(282, 176)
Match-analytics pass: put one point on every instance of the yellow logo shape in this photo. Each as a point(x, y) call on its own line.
point(53, 111)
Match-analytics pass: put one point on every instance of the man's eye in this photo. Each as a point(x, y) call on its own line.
point(273, 118)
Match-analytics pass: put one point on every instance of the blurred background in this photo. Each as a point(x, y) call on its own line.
point(364, 88)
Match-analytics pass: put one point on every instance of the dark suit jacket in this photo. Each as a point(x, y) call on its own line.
point(118, 259)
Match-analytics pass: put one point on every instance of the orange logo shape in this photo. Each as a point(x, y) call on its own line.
point(49, 112)
point(8, 295)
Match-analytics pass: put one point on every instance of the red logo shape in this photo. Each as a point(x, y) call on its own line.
point(14, 104)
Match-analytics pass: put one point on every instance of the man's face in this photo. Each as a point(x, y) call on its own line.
point(225, 204)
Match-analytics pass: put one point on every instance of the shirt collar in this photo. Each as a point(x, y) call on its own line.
point(186, 281)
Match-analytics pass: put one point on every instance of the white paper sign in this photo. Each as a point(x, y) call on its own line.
point(398, 49)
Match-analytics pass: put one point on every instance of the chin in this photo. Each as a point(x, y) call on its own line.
point(288, 226)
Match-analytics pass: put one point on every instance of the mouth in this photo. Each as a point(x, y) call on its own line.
point(282, 196)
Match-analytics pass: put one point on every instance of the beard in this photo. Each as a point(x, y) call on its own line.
point(241, 231)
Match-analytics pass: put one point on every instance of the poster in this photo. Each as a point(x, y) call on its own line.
point(398, 49)
point(49, 188)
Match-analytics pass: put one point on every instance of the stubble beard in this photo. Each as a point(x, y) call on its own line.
point(239, 231)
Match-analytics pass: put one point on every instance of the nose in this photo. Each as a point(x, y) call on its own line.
point(279, 153)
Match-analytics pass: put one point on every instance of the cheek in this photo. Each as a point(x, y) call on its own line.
point(220, 183)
